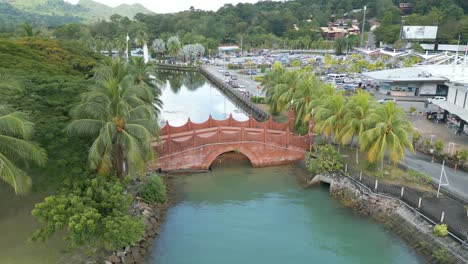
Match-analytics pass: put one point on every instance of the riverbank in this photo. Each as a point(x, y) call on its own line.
point(398, 218)
point(153, 216)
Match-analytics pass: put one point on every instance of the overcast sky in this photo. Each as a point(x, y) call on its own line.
point(169, 6)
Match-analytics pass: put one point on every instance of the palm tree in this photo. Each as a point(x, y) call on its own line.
point(144, 74)
point(121, 116)
point(358, 109)
point(330, 116)
point(16, 149)
point(173, 46)
point(389, 132)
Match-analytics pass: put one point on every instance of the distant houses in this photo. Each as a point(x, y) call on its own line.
point(340, 28)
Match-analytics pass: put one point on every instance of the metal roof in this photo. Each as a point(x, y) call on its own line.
point(424, 73)
point(452, 108)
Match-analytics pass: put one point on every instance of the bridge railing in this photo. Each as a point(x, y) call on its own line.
point(185, 141)
point(229, 122)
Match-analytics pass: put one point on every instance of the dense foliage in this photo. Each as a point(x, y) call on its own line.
point(52, 74)
point(153, 190)
point(93, 211)
point(379, 129)
point(324, 159)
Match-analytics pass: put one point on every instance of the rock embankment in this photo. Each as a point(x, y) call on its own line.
point(398, 218)
point(153, 216)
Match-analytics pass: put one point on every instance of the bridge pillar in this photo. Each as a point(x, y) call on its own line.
point(210, 121)
point(168, 142)
point(218, 135)
point(230, 119)
point(168, 128)
point(264, 134)
point(250, 121)
point(189, 124)
point(291, 118)
point(194, 135)
point(270, 122)
point(287, 137)
point(242, 134)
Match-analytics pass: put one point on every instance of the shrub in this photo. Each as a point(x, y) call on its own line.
point(420, 177)
point(257, 99)
point(412, 109)
point(153, 190)
point(439, 146)
point(440, 230)
point(326, 159)
point(427, 144)
point(416, 136)
point(461, 157)
point(371, 166)
point(441, 256)
point(90, 211)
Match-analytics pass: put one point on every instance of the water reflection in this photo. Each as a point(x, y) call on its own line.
point(189, 94)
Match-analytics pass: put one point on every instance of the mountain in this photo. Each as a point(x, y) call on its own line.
point(98, 10)
point(43, 11)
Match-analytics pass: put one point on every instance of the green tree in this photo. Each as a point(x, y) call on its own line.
point(93, 212)
point(324, 159)
point(121, 116)
point(145, 74)
point(17, 150)
point(173, 46)
point(330, 116)
point(358, 109)
point(388, 132)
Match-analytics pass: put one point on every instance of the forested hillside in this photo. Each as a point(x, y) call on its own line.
point(58, 12)
point(267, 23)
point(51, 75)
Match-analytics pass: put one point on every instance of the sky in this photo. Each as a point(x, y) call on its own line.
point(170, 6)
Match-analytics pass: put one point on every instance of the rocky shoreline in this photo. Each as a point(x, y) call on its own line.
point(398, 219)
point(153, 216)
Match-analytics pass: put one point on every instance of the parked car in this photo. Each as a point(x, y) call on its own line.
point(252, 72)
point(234, 77)
point(387, 100)
point(226, 73)
point(435, 99)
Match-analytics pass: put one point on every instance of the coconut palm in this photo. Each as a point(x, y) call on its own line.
point(329, 116)
point(144, 74)
point(121, 116)
point(16, 149)
point(358, 109)
point(173, 46)
point(389, 133)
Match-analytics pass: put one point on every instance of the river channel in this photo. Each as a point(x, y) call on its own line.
point(238, 214)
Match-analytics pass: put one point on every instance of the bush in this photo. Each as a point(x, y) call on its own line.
point(412, 109)
point(416, 136)
point(420, 177)
point(439, 146)
point(257, 99)
point(90, 211)
point(154, 190)
point(326, 159)
point(441, 256)
point(371, 166)
point(440, 230)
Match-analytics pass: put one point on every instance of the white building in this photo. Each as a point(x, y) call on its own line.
point(450, 81)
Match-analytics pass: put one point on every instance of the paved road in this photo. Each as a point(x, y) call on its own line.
point(243, 80)
point(422, 163)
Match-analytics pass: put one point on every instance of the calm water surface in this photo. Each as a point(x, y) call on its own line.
point(238, 214)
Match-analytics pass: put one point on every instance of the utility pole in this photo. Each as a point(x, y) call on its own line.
point(363, 22)
point(242, 40)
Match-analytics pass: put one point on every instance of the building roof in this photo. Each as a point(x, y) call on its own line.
point(458, 74)
point(452, 108)
point(444, 47)
point(333, 30)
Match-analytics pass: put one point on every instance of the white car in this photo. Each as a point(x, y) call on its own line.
point(435, 99)
point(387, 100)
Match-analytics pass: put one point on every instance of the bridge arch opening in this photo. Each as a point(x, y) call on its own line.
point(230, 156)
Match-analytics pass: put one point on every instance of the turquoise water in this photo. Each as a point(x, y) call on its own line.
point(238, 214)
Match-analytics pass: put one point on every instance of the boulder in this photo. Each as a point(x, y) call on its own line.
point(113, 259)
